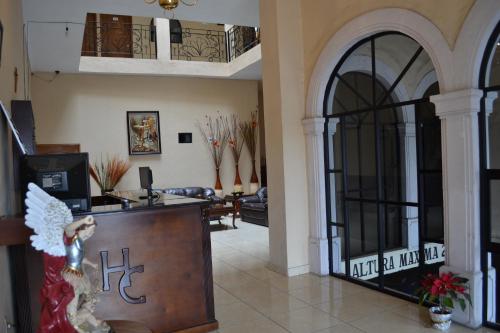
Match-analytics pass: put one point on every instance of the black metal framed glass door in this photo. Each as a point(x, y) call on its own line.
point(489, 126)
point(384, 216)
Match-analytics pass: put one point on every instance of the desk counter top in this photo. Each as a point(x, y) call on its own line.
point(130, 201)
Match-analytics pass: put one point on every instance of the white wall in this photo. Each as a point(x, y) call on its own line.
point(91, 110)
point(12, 51)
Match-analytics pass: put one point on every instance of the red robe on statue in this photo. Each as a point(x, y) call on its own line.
point(55, 296)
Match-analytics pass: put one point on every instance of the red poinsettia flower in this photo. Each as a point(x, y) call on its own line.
point(444, 290)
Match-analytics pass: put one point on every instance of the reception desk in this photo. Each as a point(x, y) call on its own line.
point(154, 265)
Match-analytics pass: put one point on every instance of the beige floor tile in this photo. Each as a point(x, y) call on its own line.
point(232, 280)
point(263, 273)
point(307, 320)
point(274, 302)
point(391, 322)
point(295, 282)
point(264, 326)
point(344, 328)
point(222, 297)
point(245, 262)
point(322, 293)
point(236, 314)
point(412, 311)
point(350, 308)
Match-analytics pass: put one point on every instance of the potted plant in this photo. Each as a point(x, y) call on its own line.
point(215, 133)
point(443, 292)
point(236, 144)
point(249, 132)
point(107, 174)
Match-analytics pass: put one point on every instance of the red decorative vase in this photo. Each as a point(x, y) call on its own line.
point(254, 178)
point(238, 187)
point(218, 183)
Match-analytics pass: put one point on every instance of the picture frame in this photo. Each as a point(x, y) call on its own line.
point(1, 41)
point(143, 130)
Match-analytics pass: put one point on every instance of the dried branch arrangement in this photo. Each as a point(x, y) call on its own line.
point(215, 132)
point(249, 133)
point(108, 174)
point(236, 140)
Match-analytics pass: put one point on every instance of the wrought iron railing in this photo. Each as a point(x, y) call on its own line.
point(214, 45)
point(241, 39)
point(139, 41)
point(200, 45)
point(119, 40)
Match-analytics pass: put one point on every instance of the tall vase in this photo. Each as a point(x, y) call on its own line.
point(254, 180)
point(218, 183)
point(238, 186)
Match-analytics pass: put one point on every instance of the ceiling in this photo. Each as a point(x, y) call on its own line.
point(54, 28)
point(240, 12)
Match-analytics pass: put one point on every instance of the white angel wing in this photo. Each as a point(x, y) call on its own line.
point(48, 217)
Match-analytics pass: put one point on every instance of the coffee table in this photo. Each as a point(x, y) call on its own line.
point(221, 210)
point(234, 200)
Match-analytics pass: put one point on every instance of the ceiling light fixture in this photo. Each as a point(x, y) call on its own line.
point(171, 4)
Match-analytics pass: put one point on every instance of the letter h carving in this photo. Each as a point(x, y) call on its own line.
point(125, 281)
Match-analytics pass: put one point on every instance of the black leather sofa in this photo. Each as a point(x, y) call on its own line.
point(205, 193)
point(253, 209)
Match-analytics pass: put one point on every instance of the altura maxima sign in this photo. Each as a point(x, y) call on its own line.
point(366, 268)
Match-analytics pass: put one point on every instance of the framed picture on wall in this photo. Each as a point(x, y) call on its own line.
point(143, 132)
point(1, 41)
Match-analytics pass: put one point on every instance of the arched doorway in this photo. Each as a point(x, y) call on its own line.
point(383, 165)
point(490, 177)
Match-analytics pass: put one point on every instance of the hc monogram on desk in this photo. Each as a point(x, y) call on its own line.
point(125, 281)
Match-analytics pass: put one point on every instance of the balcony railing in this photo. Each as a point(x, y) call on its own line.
point(214, 45)
point(200, 45)
point(241, 39)
point(119, 40)
point(139, 41)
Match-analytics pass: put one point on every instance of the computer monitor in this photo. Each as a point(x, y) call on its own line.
point(146, 176)
point(64, 176)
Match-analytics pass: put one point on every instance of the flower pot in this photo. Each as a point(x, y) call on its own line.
point(441, 318)
point(103, 191)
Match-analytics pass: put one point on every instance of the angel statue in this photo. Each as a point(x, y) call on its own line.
point(67, 297)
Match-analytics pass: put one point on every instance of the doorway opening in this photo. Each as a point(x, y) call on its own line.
point(489, 128)
point(383, 165)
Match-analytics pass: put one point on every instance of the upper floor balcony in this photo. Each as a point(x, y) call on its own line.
point(139, 45)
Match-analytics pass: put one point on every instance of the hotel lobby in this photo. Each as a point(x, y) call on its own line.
point(304, 166)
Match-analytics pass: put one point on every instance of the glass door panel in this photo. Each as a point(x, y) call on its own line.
point(495, 211)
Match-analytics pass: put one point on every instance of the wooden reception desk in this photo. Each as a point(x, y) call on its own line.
point(154, 263)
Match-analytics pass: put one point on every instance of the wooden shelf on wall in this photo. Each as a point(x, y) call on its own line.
point(13, 231)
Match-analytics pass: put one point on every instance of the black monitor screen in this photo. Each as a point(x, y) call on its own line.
point(64, 176)
point(146, 177)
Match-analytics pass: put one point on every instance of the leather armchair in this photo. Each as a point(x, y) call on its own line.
point(253, 209)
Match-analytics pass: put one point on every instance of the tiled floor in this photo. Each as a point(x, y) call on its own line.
point(249, 298)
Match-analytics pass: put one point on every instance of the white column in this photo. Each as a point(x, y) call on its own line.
point(283, 86)
point(318, 241)
point(458, 112)
point(162, 39)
